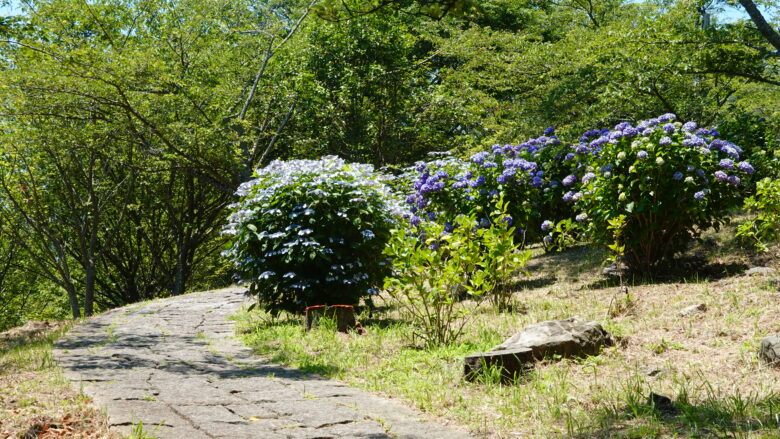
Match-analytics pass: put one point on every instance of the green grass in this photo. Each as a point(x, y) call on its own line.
point(709, 361)
point(34, 394)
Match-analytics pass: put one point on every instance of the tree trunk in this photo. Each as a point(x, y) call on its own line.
point(343, 315)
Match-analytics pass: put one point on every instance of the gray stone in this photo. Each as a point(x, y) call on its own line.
point(572, 337)
point(760, 271)
point(699, 308)
point(770, 350)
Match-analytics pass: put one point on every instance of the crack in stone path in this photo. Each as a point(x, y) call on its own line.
point(174, 365)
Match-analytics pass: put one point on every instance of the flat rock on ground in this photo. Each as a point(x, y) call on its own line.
point(174, 365)
point(572, 337)
point(769, 351)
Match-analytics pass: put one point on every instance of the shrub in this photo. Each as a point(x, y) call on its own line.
point(435, 264)
point(311, 232)
point(766, 226)
point(449, 187)
point(670, 180)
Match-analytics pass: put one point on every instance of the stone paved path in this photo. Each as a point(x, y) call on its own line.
point(173, 364)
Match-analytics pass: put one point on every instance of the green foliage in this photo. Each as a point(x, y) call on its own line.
point(669, 184)
point(765, 228)
point(431, 271)
point(501, 257)
point(435, 266)
point(311, 232)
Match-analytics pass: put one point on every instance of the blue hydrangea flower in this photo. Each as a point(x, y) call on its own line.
point(569, 180)
point(641, 155)
point(689, 127)
point(588, 177)
point(699, 195)
point(480, 157)
point(734, 180)
point(721, 176)
point(668, 117)
point(665, 141)
point(669, 128)
point(726, 164)
point(547, 239)
point(547, 225)
point(569, 156)
point(581, 217)
point(678, 175)
point(549, 131)
point(745, 167)
point(568, 196)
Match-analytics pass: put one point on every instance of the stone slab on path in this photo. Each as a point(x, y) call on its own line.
point(175, 366)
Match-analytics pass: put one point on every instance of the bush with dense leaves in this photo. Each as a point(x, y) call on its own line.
point(312, 232)
point(670, 180)
point(447, 187)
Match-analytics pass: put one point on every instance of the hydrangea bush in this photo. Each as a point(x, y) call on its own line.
point(670, 180)
point(312, 232)
point(449, 187)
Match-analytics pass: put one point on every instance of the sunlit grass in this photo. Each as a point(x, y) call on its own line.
point(708, 361)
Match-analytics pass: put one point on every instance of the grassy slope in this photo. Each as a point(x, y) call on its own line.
point(708, 362)
point(36, 400)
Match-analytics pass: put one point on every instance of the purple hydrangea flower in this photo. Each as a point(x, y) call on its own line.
point(569, 180)
point(569, 156)
point(641, 155)
point(547, 225)
point(547, 239)
point(489, 164)
point(730, 151)
point(507, 176)
point(726, 164)
point(549, 131)
point(721, 176)
point(689, 127)
point(678, 175)
point(648, 131)
point(568, 196)
point(734, 180)
point(622, 126)
point(581, 217)
point(478, 182)
point(699, 195)
point(480, 157)
point(745, 167)
point(588, 177)
point(630, 132)
point(415, 220)
point(668, 117)
point(669, 128)
point(665, 141)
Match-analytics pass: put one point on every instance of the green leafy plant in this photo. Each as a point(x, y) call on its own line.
point(670, 180)
point(435, 265)
point(764, 228)
point(311, 232)
point(432, 268)
point(501, 257)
